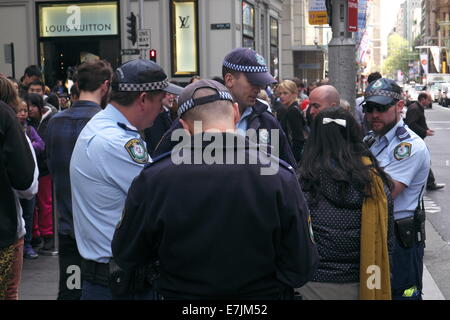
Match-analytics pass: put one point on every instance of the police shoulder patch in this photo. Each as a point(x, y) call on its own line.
point(137, 151)
point(402, 151)
point(263, 136)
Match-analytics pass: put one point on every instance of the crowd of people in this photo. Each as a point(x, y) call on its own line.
point(141, 224)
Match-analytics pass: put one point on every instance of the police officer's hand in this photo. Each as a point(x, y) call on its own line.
point(430, 132)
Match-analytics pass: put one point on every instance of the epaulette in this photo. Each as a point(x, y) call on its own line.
point(286, 165)
point(402, 134)
point(125, 127)
point(157, 159)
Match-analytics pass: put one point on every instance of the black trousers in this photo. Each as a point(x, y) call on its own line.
point(68, 257)
point(431, 180)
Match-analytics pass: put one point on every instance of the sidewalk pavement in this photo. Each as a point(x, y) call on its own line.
point(40, 276)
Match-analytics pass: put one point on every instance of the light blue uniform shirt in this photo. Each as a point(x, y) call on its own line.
point(242, 125)
point(108, 155)
point(407, 160)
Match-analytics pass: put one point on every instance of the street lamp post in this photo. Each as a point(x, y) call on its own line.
point(342, 64)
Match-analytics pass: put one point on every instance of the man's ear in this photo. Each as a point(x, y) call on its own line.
point(236, 113)
point(400, 105)
point(228, 80)
point(185, 125)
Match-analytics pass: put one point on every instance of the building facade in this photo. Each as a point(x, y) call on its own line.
point(435, 27)
point(189, 37)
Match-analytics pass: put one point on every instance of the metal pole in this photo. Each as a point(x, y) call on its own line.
point(341, 52)
point(141, 22)
point(13, 61)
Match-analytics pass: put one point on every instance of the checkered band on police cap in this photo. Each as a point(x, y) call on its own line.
point(384, 93)
point(191, 103)
point(141, 87)
point(243, 68)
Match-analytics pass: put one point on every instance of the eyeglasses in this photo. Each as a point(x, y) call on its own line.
point(368, 107)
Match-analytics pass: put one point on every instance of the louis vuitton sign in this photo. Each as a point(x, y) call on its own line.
point(78, 19)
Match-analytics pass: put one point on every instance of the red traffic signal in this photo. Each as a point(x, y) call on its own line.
point(152, 55)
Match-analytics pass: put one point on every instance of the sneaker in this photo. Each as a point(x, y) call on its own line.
point(29, 253)
point(48, 248)
point(436, 186)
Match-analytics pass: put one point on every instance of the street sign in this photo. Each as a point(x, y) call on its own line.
point(143, 38)
point(352, 15)
point(220, 26)
point(8, 50)
point(318, 12)
point(129, 52)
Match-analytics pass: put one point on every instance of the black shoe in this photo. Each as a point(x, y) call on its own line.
point(36, 242)
point(48, 249)
point(436, 186)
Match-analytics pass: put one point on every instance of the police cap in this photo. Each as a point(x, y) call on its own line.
point(142, 75)
point(383, 91)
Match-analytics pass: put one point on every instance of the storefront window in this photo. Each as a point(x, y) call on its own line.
point(274, 46)
point(248, 23)
point(184, 26)
point(73, 32)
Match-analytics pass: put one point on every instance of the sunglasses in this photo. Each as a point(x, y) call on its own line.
point(368, 107)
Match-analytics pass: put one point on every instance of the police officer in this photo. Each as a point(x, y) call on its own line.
point(108, 154)
point(226, 236)
point(405, 157)
point(245, 73)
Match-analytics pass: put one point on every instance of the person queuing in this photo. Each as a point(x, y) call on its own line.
point(28, 205)
point(351, 210)
point(404, 156)
point(17, 170)
point(43, 233)
point(94, 81)
point(108, 154)
point(226, 236)
point(38, 87)
point(416, 121)
point(30, 74)
point(291, 117)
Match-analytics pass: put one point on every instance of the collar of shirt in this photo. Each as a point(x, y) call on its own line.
point(84, 103)
point(114, 114)
point(243, 122)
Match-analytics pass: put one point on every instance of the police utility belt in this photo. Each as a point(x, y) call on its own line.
point(411, 229)
point(118, 280)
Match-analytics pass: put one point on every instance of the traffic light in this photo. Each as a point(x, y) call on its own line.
point(152, 55)
point(132, 28)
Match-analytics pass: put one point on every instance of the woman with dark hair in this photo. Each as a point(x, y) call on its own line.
point(39, 116)
point(351, 208)
point(53, 100)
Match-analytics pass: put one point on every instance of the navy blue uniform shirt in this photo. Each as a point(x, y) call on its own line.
point(218, 230)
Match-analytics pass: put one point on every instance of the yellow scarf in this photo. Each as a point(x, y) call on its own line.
point(375, 283)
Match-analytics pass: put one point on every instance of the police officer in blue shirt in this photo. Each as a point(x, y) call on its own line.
point(108, 154)
point(405, 157)
point(235, 231)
